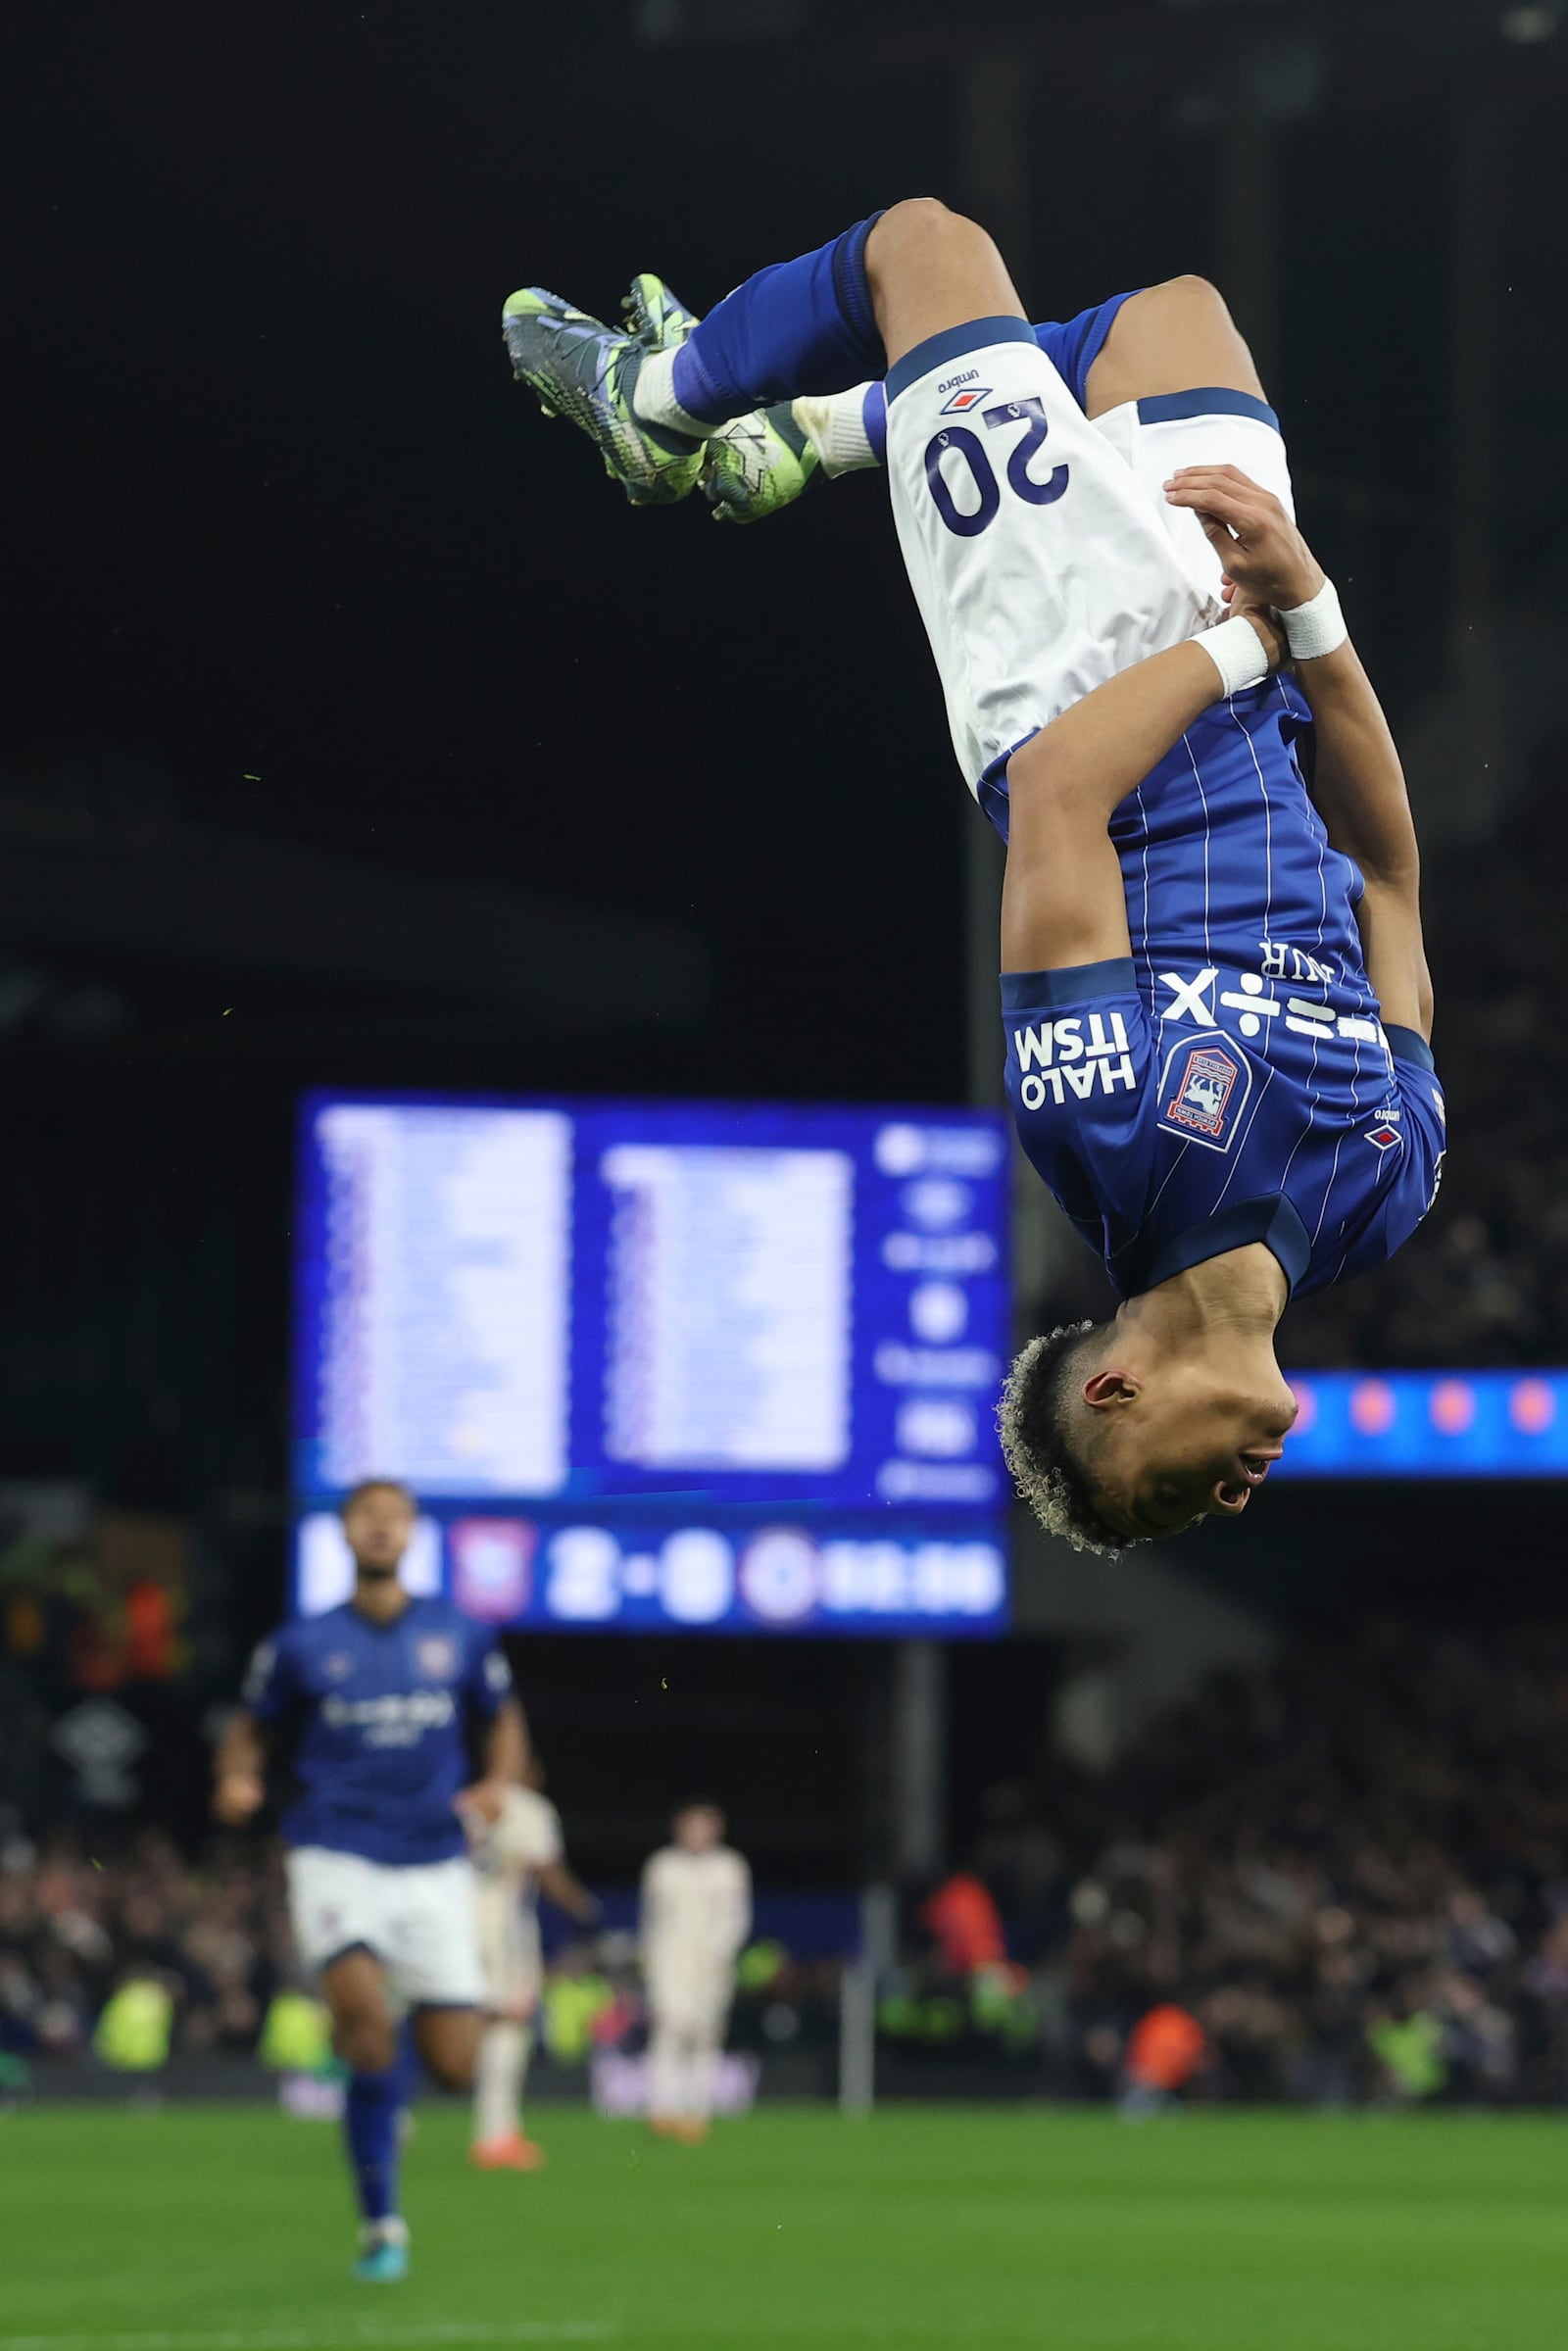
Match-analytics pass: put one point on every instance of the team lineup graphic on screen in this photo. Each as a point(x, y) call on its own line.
point(659, 1363)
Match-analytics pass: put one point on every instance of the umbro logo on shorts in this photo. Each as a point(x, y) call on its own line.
point(962, 400)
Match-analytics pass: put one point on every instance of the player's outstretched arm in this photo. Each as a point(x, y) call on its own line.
point(1062, 900)
point(239, 1771)
point(1359, 783)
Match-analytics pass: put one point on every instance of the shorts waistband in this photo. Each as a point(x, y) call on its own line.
point(1207, 400)
point(975, 334)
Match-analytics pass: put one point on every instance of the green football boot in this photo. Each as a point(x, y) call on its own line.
point(752, 467)
point(582, 370)
point(756, 465)
point(656, 316)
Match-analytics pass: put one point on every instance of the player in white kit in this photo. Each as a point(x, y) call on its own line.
point(696, 1915)
point(518, 1856)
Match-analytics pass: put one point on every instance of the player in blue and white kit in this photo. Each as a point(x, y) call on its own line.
point(379, 1694)
point(1214, 991)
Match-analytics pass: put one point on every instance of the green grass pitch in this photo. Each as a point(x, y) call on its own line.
point(229, 2229)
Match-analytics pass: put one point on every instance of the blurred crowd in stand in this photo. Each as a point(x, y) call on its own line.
point(73, 1930)
point(1350, 1868)
point(1343, 1876)
point(1487, 1280)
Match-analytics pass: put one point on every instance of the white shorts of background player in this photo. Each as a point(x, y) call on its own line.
point(689, 1998)
point(419, 1920)
point(1054, 594)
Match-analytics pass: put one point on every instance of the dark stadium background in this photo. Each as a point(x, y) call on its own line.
point(316, 629)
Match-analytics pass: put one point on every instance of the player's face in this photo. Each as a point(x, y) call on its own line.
point(378, 1524)
point(699, 1828)
point(1189, 1447)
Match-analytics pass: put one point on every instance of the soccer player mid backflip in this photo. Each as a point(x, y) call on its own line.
point(1214, 995)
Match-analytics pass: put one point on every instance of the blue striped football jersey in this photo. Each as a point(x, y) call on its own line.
point(380, 1712)
point(1232, 1080)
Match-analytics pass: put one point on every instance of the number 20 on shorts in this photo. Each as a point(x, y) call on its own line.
point(969, 445)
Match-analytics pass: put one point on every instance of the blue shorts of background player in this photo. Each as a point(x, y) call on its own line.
point(1214, 986)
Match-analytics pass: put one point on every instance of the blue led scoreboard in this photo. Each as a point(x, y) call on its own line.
point(729, 1366)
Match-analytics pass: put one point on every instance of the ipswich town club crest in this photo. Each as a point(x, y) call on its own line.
point(1208, 1090)
point(436, 1656)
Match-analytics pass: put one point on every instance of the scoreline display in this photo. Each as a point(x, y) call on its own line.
point(659, 1363)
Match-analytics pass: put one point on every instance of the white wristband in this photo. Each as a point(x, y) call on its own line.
point(1236, 651)
point(1317, 627)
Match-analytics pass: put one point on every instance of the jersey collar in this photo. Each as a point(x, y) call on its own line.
point(1269, 1218)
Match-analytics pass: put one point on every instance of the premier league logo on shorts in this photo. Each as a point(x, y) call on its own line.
point(1204, 1088)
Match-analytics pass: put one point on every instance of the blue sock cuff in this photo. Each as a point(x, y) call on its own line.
point(694, 388)
point(852, 285)
point(383, 2084)
point(874, 417)
point(801, 326)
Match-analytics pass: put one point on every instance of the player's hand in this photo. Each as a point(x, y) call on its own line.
point(1264, 553)
point(237, 1797)
point(483, 1802)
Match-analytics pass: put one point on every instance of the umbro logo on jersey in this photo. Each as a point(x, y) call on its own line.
point(964, 401)
point(1382, 1137)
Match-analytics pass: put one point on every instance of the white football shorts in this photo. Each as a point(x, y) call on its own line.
point(1041, 550)
point(419, 1921)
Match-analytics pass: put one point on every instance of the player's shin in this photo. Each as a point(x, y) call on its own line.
point(801, 326)
point(498, 2081)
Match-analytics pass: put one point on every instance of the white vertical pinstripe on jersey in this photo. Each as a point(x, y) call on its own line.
point(1241, 1140)
point(1202, 798)
point(1149, 960)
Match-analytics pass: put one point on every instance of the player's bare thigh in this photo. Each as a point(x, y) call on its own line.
point(448, 2043)
point(1170, 338)
point(363, 2029)
point(930, 268)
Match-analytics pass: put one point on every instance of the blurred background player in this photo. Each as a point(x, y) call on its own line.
point(517, 1856)
point(696, 1915)
point(379, 1692)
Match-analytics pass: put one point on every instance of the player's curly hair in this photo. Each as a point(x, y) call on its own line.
point(1034, 1424)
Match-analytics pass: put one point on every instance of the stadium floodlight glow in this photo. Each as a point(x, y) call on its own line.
point(1530, 25)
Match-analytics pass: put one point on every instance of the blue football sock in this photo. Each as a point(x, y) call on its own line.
point(800, 327)
point(371, 2127)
